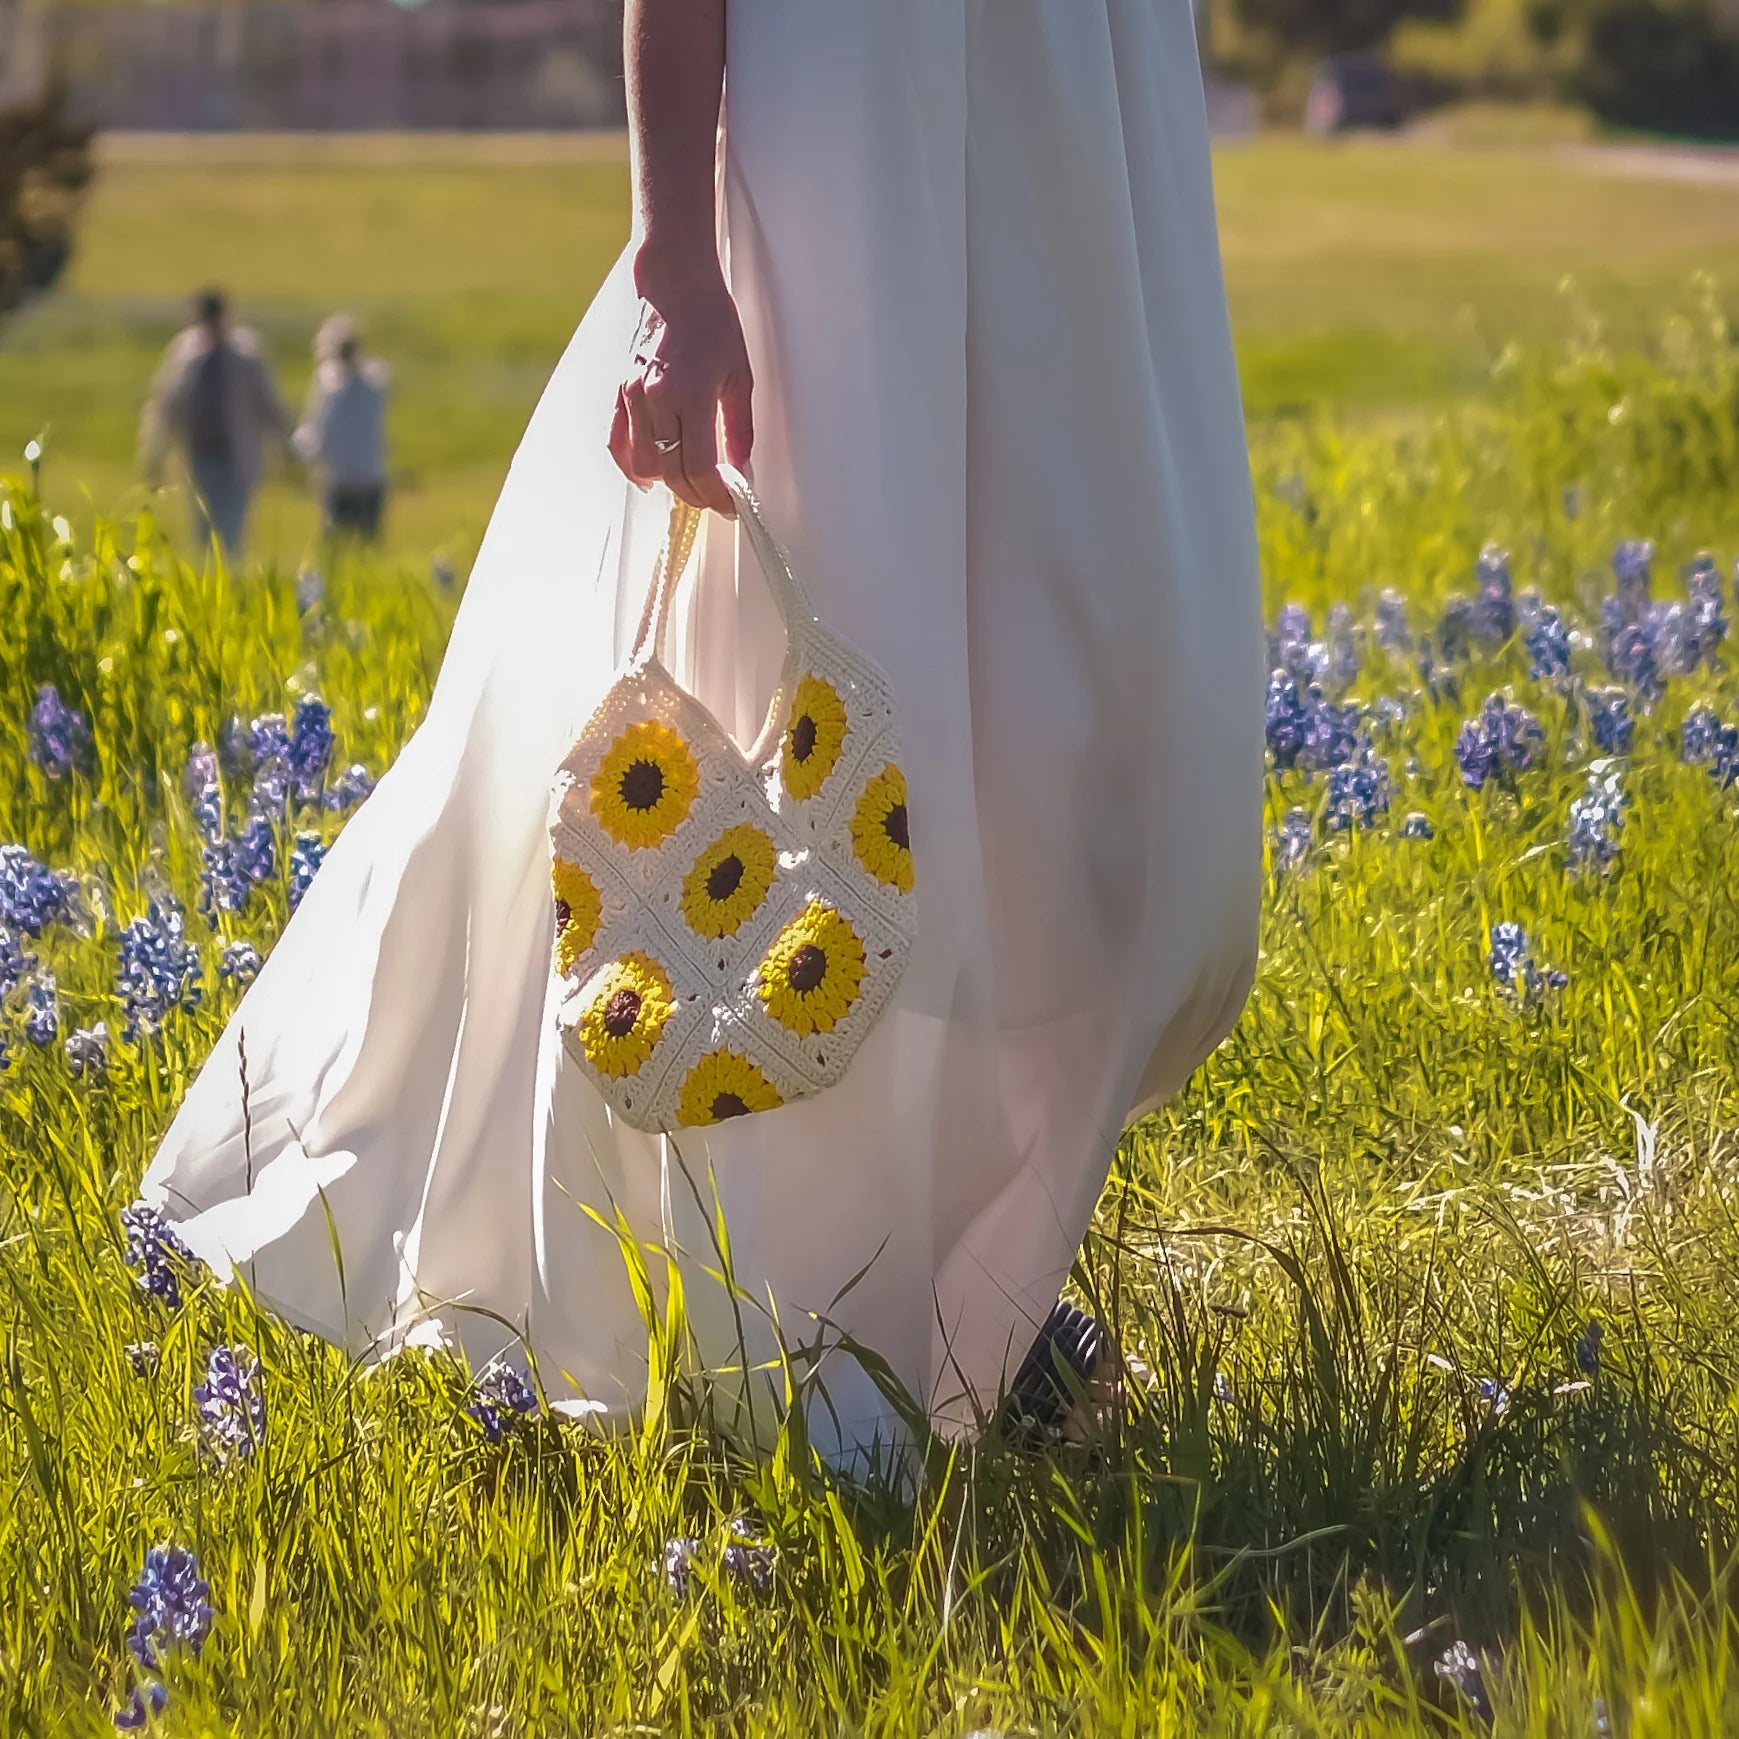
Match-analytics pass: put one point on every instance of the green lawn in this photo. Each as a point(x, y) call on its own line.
point(1429, 1278)
point(1368, 277)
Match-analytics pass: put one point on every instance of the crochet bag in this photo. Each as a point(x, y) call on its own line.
point(729, 925)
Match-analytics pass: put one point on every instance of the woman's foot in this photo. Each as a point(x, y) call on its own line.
point(1063, 1382)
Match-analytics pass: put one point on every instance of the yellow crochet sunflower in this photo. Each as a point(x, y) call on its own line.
point(723, 1085)
point(814, 971)
point(728, 882)
point(879, 832)
point(578, 908)
point(813, 738)
point(628, 1004)
point(645, 785)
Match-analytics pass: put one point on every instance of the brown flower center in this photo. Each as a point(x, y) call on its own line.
point(564, 912)
point(896, 829)
point(725, 879)
point(727, 1106)
point(643, 785)
point(621, 1012)
point(802, 738)
point(807, 968)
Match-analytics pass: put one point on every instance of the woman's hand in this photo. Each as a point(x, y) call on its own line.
point(690, 369)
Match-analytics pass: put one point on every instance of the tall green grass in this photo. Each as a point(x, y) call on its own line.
point(1351, 1264)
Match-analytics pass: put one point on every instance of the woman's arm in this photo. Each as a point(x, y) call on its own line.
point(690, 365)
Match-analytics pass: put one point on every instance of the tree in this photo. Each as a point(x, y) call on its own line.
point(1330, 26)
point(45, 167)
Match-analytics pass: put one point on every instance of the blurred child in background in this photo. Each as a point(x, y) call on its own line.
point(343, 431)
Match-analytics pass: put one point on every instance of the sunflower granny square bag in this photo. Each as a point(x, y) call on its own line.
point(729, 925)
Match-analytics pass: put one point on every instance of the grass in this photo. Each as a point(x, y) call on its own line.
point(1368, 278)
point(1357, 1261)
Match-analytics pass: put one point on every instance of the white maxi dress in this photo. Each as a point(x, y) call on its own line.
point(998, 428)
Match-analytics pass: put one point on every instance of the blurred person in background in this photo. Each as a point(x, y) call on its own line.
point(343, 431)
point(213, 400)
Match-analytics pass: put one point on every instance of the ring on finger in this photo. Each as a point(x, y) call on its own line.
point(668, 446)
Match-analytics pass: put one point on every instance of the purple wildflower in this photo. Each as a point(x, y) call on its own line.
point(233, 868)
point(1358, 793)
point(171, 1605)
point(1706, 591)
point(232, 1409)
point(1290, 647)
point(1343, 650)
point(500, 1397)
point(1292, 841)
point(1699, 736)
point(159, 967)
point(1609, 720)
point(31, 896)
point(144, 1356)
point(310, 747)
point(60, 736)
point(1288, 719)
point(1459, 1667)
point(1513, 966)
point(87, 1050)
point(350, 787)
point(241, 963)
point(154, 1248)
point(1632, 567)
point(15, 964)
point(42, 1010)
point(1392, 631)
point(1547, 642)
point(1631, 657)
point(1588, 1349)
point(1417, 825)
point(306, 856)
point(1502, 739)
point(1596, 818)
point(1492, 615)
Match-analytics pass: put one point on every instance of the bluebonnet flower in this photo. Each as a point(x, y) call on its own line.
point(1632, 567)
point(42, 1010)
point(310, 589)
point(1392, 631)
point(232, 1410)
point(1588, 1349)
point(268, 739)
point(677, 1564)
point(241, 962)
point(1609, 720)
point(154, 1248)
point(1331, 734)
point(1343, 650)
point(1631, 649)
point(1706, 591)
point(350, 787)
point(1292, 840)
point(1358, 793)
point(159, 967)
point(310, 747)
point(748, 1559)
point(1595, 820)
point(87, 1050)
point(306, 856)
point(1699, 736)
point(171, 1605)
point(1417, 825)
point(1496, 1395)
point(15, 964)
point(144, 1356)
point(60, 736)
point(1492, 616)
point(1547, 641)
point(1459, 1667)
point(745, 1560)
point(1513, 966)
point(1500, 740)
point(1290, 647)
point(1722, 756)
point(499, 1398)
point(1288, 719)
point(270, 797)
point(31, 896)
point(204, 794)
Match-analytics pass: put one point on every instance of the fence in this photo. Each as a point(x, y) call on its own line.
point(343, 65)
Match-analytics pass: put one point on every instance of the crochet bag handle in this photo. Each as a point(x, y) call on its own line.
point(789, 596)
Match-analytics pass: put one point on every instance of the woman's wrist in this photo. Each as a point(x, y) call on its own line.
point(674, 270)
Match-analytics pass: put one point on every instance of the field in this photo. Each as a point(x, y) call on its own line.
point(1429, 1278)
